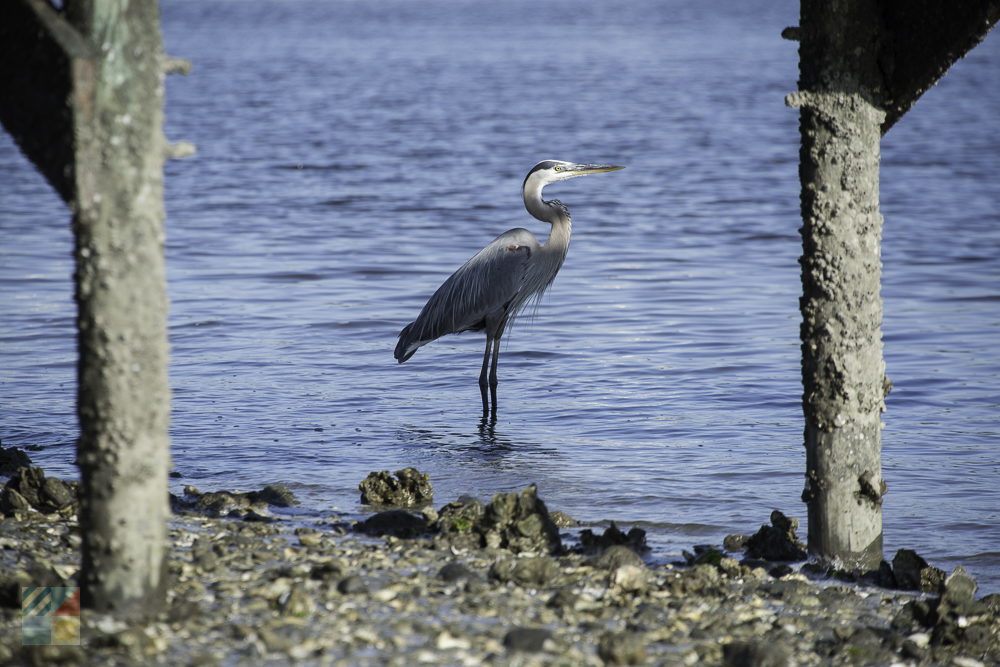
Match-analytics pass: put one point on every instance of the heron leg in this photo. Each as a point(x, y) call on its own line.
point(493, 369)
point(483, 377)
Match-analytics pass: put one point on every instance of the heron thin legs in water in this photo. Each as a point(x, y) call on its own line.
point(490, 380)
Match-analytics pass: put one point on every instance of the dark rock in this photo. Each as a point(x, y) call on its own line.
point(352, 585)
point(326, 570)
point(519, 522)
point(912, 573)
point(621, 648)
point(531, 572)
point(252, 515)
point(883, 576)
point(11, 501)
point(755, 654)
point(278, 495)
point(527, 639)
point(452, 572)
point(398, 523)
point(704, 554)
point(249, 506)
point(615, 556)
point(635, 539)
point(409, 488)
point(777, 541)
point(12, 458)
point(779, 571)
point(906, 619)
point(460, 517)
point(29, 487)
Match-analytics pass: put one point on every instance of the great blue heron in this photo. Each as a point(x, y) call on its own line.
point(487, 292)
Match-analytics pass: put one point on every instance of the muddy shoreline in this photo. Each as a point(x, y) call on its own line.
point(476, 581)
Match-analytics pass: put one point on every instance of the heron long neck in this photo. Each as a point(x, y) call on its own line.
point(556, 214)
point(553, 212)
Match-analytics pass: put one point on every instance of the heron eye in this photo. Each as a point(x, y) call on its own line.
point(558, 168)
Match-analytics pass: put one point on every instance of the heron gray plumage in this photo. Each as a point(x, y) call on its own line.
point(487, 292)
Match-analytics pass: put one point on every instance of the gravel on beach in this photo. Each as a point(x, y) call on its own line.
point(474, 582)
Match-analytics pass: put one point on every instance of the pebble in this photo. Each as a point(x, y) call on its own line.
point(527, 639)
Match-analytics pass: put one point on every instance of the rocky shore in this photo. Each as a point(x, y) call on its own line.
point(502, 582)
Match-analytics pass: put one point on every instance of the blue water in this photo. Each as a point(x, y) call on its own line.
point(352, 153)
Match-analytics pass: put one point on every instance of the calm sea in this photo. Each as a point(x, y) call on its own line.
point(352, 153)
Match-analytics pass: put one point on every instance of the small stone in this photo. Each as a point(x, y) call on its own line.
point(615, 556)
point(398, 523)
point(310, 539)
point(527, 639)
point(325, 570)
point(563, 520)
point(352, 585)
point(445, 641)
point(965, 661)
point(621, 648)
point(913, 651)
point(203, 555)
point(452, 572)
point(563, 599)
point(297, 602)
point(755, 654)
point(730, 567)
point(533, 572)
point(779, 571)
point(735, 543)
point(630, 579)
point(959, 587)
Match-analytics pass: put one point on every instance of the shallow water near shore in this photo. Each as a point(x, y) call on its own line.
point(352, 154)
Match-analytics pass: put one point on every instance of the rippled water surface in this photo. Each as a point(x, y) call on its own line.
point(351, 154)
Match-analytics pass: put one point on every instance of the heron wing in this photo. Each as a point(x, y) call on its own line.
point(477, 295)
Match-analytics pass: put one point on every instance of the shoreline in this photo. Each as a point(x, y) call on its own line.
point(474, 583)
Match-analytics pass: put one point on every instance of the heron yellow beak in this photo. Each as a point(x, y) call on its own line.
point(584, 169)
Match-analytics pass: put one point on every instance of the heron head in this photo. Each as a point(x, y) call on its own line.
point(550, 171)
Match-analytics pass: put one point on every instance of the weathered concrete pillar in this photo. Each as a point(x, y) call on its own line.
point(862, 65)
point(84, 92)
point(842, 367)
